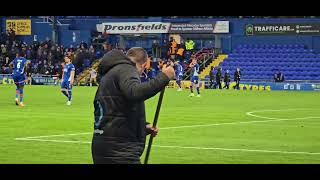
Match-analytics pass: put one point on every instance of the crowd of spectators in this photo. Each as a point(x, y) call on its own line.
point(46, 58)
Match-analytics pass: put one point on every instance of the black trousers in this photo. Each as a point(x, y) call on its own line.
point(226, 85)
point(101, 153)
point(211, 83)
point(237, 84)
point(218, 83)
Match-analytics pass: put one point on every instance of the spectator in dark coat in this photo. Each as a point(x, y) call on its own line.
point(120, 121)
point(218, 78)
point(237, 75)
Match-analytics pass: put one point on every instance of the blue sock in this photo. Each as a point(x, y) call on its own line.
point(65, 93)
point(17, 93)
point(198, 90)
point(21, 95)
point(70, 95)
point(191, 89)
point(179, 83)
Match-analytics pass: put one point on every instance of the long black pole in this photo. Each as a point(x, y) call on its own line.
point(154, 125)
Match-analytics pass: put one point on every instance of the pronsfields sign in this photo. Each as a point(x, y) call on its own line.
point(282, 29)
point(133, 27)
point(161, 27)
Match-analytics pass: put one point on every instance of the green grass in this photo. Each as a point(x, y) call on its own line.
point(46, 114)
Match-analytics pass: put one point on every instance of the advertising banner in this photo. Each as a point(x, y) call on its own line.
point(270, 86)
point(20, 26)
point(161, 27)
point(133, 27)
point(283, 29)
point(207, 28)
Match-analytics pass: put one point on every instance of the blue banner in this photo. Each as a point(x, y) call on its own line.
point(36, 79)
point(43, 80)
point(269, 86)
point(287, 86)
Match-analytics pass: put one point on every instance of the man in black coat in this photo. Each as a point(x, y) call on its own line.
point(211, 74)
point(120, 126)
point(226, 79)
point(237, 75)
point(218, 78)
point(165, 49)
point(279, 77)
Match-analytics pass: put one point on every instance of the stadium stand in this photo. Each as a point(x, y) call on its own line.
point(296, 56)
point(45, 57)
point(261, 62)
point(214, 63)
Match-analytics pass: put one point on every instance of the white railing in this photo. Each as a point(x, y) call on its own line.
point(48, 19)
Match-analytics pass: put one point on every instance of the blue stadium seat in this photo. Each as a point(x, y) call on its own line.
point(263, 60)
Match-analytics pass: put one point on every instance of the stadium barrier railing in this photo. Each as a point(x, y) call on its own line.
point(269, 85)
point(245, 84)
point(37, 79)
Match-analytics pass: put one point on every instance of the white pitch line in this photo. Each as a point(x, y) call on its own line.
point(246, 150)
point(56, 135)
point(215, 124)
point(263, 117)
point(46, 116)
point(179, 127)
point(51, 140)
point(176, 127)
point(244, 122)
point(36, 138)
point(186, 147)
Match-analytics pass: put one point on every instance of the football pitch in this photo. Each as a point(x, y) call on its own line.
point(221, 127)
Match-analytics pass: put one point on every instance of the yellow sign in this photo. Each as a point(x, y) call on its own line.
point(184, 84)
point(20, 26)
point(251, 87)
point(7, 81)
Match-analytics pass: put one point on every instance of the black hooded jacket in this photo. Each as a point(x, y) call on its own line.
point(120, 120)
